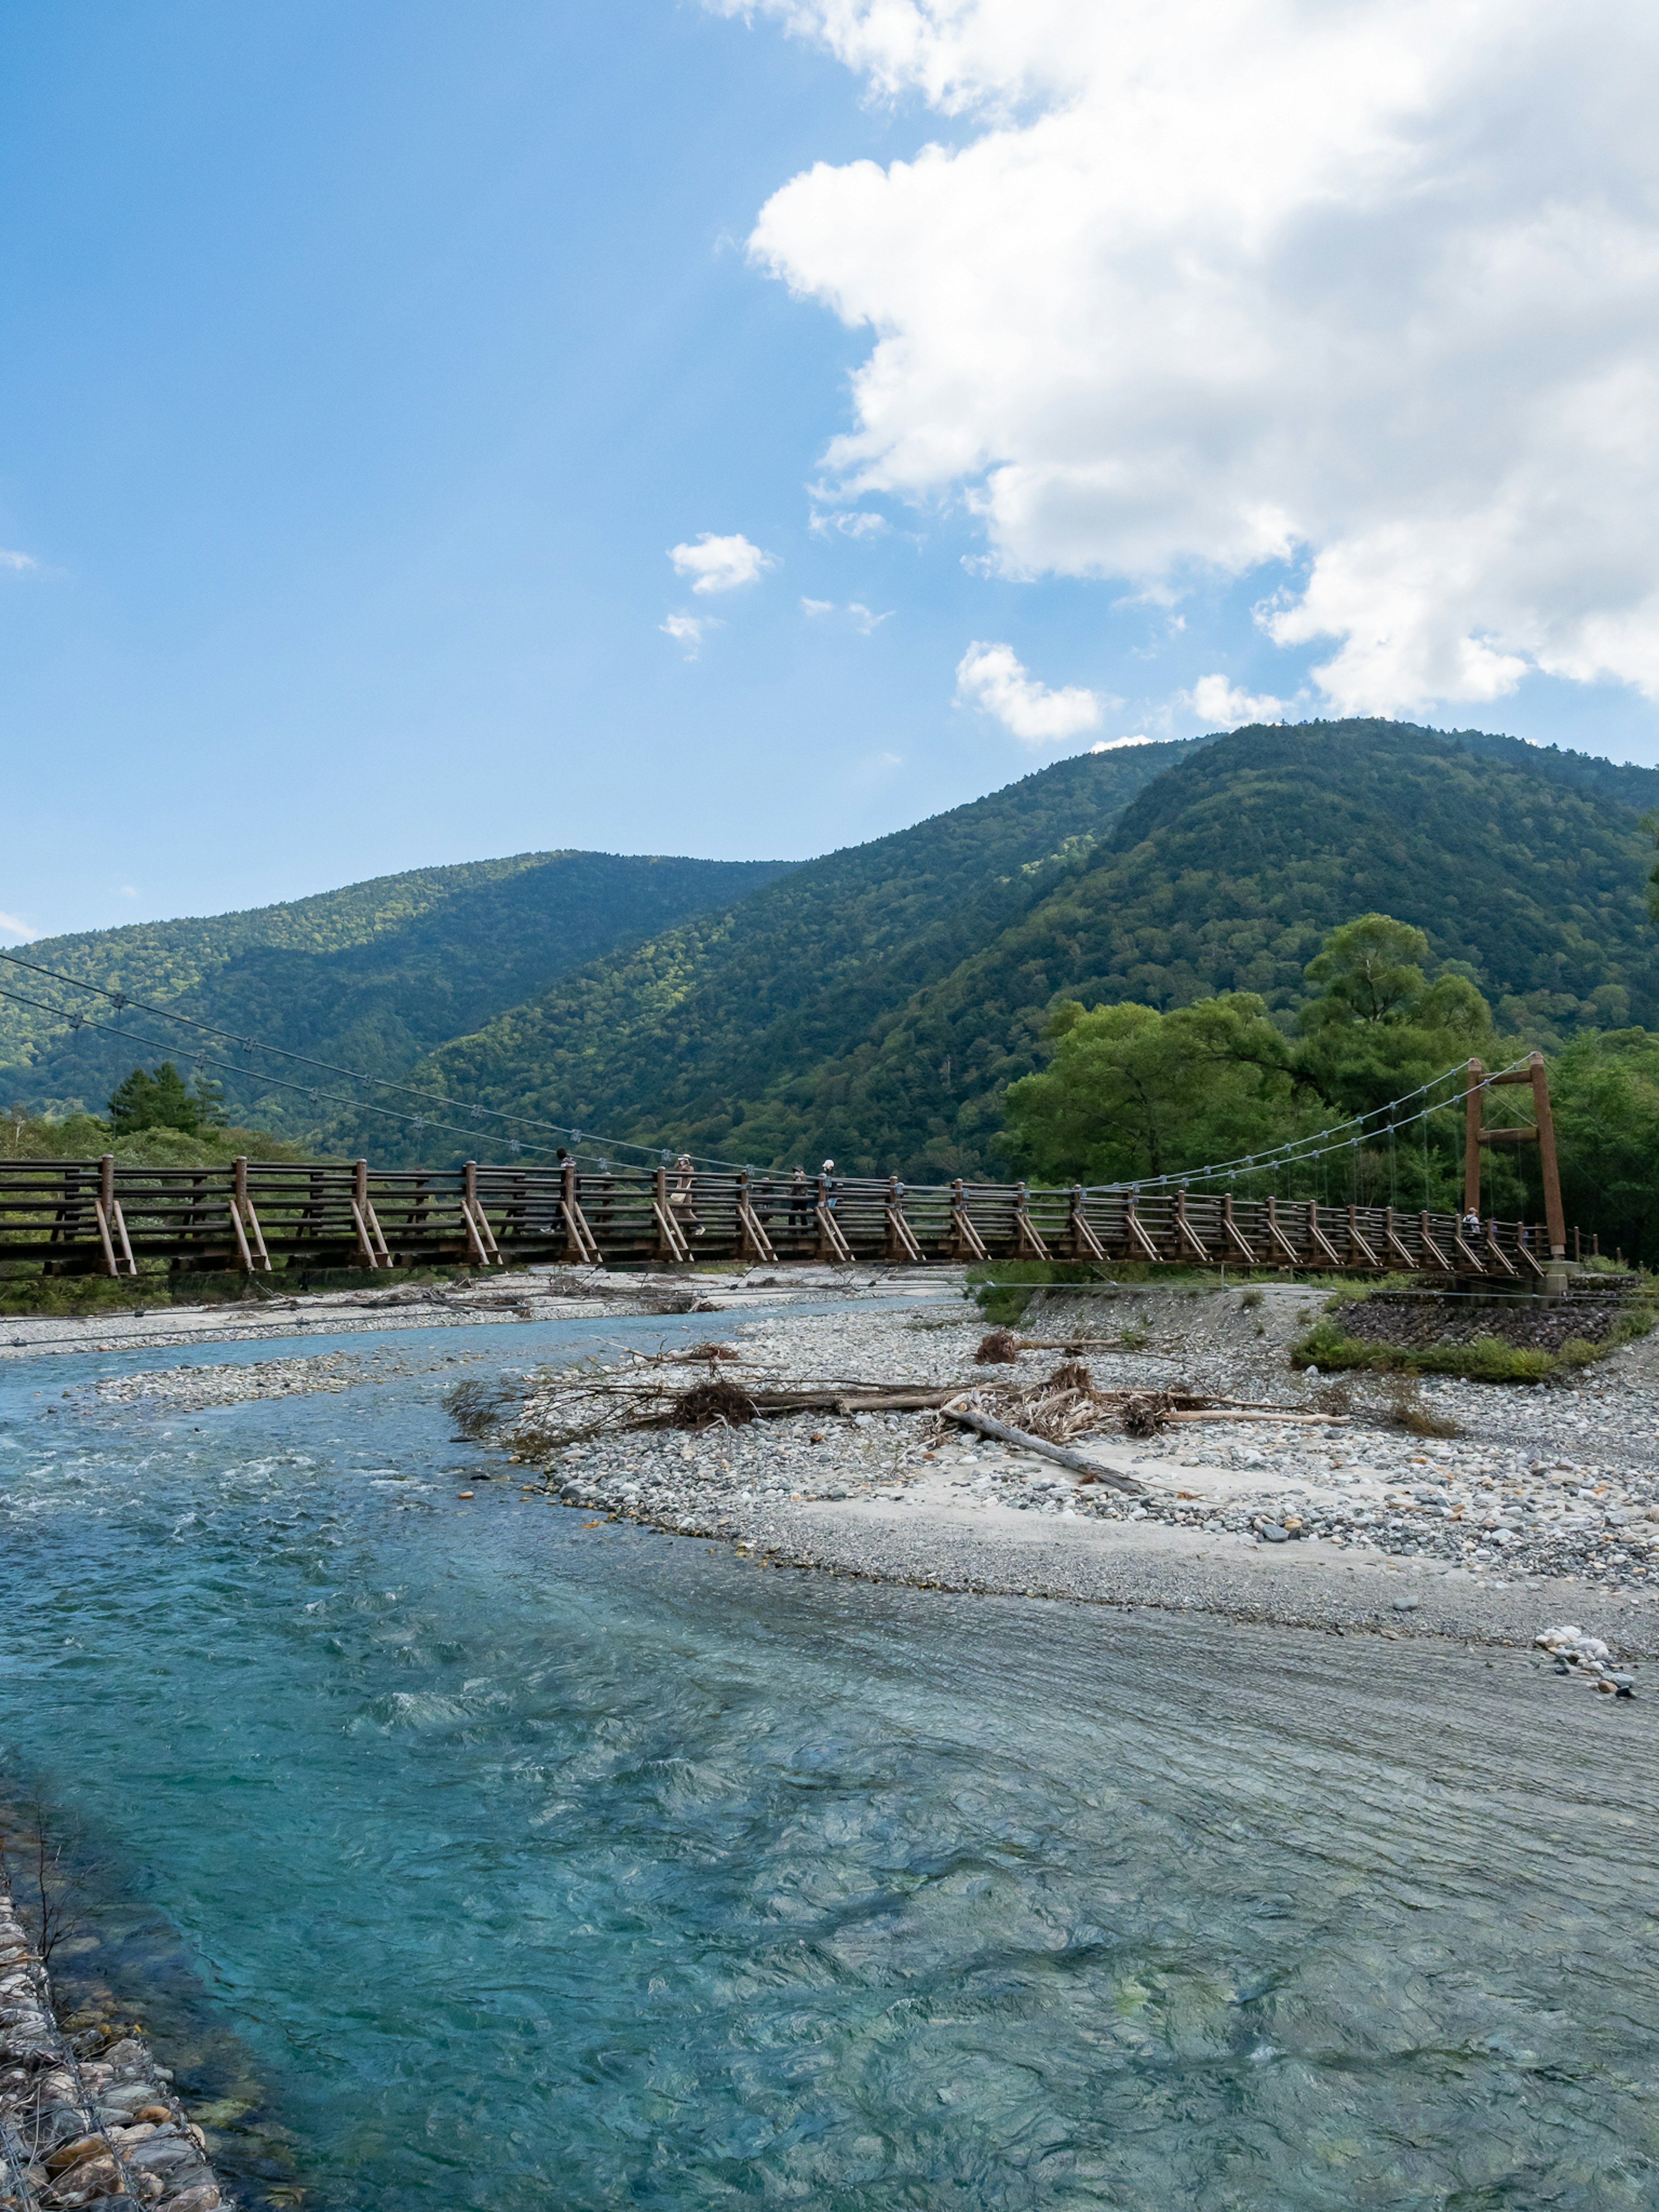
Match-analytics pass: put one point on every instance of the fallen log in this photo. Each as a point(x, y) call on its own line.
point(1090, 1469)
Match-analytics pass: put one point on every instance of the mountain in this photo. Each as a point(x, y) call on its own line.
point(370, 977)
point(692, 1031)
point(875, 1004)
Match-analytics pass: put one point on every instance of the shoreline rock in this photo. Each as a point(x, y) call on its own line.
point(77, 2130)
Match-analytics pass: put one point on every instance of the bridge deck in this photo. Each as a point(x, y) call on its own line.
point(99, 1217)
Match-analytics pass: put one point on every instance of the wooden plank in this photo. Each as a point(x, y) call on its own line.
point(1027, 1237)
point(901, 1238)
point(1185, 1233)
point(1320, 1241)
point(1357, 1242)
point(1138, 1235)
point(1234, 1235)
point(119, 1220)
point(1431, 1248)
point(1276, 1234)
point(110, 1267)
point(830, 1234)
point(672, 1245)
point(1084, 1242)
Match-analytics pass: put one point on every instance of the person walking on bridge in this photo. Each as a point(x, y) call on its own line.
point(681, 1198)
point(800, 1201)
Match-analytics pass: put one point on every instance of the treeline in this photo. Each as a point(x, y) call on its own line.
point(154, 1118)
point(1131, 1093)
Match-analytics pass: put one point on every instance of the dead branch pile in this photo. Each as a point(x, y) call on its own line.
point(1145, 1412)
point(708, 1403)
point(1053, 1412)
point(1000, 1346)
point(1068, 1404)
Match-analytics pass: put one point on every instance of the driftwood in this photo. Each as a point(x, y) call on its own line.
point(1090, 1469)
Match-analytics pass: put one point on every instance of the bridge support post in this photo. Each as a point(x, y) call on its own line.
point(1472, 1115)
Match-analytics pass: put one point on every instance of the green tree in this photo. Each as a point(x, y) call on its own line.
point(1604, 1093)
point(1378, 1026)
point(1131, 1092)
point(160, 1099)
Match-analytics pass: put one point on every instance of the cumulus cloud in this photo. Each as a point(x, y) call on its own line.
point(992, 677)
point(721, 564)
point(1207, 285)
point(1224, 706)
point(689, 631)
point(1116, 744)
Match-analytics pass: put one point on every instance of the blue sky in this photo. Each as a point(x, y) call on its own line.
point(363, 365)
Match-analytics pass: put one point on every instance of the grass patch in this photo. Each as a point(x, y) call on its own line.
point(1484, 1360)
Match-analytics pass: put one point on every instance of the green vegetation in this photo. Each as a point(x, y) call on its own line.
point(161, 1099)
point(87, 1136)
point(1126, 964)
point(1483, 1359)
point(714, 1035)
point(369, 977)
point(878, 1004)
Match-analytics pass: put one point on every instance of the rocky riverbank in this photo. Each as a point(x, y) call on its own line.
point(484, 1301)
point(1513, 1502)
point(86, 2120)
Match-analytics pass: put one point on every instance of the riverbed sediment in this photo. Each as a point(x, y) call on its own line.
point(1536, 1506)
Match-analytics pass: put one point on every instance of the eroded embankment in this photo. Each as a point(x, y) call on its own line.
point(79, 2131)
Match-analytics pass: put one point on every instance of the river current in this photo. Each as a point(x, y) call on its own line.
point(482, 1856)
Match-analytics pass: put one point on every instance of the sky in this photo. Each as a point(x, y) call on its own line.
point(430, 434)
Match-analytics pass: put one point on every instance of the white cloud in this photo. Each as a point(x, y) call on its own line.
point(11, 927)
point(19, 563)
point(721, 564)
point(861, 523)
point(1209, 284)
point(990, 675)
point(690, 630)
point(1221, 705)
point(863, 618)
point(1116, 744)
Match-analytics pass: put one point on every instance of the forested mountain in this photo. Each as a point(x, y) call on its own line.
point(802, 1022)
point(694, 1029)
point(875, 1004)
point(370, 976)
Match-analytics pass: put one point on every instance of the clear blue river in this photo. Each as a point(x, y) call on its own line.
point(464, 1856)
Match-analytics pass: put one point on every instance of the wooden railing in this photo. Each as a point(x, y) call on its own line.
point(100, 1217)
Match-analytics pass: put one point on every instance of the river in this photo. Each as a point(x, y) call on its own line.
point(478, 1856)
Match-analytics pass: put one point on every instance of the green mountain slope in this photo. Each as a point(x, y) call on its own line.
point(370, 976)
point(765, 1036)
point(1225, 874)
point(690, 1030)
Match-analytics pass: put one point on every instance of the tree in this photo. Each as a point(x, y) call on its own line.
point(1132, 1093)
point(1379, 1027)
point(1604, 1094)
point(159, 1099)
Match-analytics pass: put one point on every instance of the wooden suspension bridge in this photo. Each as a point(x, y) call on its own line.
point(105, 1217)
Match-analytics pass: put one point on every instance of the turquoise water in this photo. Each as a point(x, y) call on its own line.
point(493, 1861)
